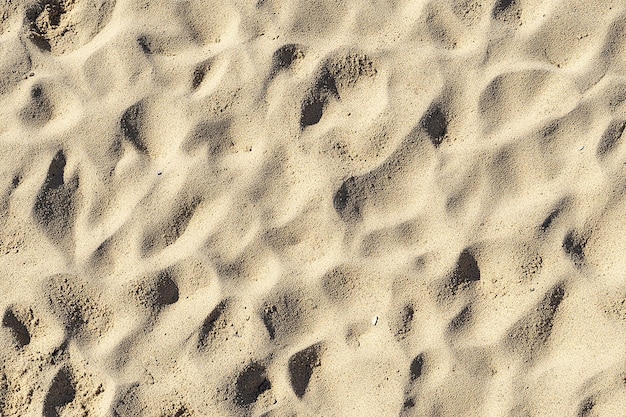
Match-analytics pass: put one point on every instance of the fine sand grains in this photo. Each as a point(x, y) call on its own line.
point(312, 208)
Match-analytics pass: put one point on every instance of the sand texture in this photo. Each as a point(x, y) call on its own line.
point(302, 208)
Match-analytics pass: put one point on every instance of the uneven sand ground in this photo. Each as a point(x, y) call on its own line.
point(313, 208)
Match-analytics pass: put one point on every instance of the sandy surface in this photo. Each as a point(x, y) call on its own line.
point(313, 208)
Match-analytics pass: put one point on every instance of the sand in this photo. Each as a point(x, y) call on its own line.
point(313, 208)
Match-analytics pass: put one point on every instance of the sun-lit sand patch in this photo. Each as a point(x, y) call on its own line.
point(312, 208)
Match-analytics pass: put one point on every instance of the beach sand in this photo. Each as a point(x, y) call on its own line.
point(313, 208)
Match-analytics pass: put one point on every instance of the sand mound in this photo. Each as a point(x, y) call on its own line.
point(312, 208)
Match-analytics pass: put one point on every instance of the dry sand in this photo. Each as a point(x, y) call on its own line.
point(313, 208)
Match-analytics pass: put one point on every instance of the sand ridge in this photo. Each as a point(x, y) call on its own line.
point(312, 208)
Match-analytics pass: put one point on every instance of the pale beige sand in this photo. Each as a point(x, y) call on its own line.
point(313, 208)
